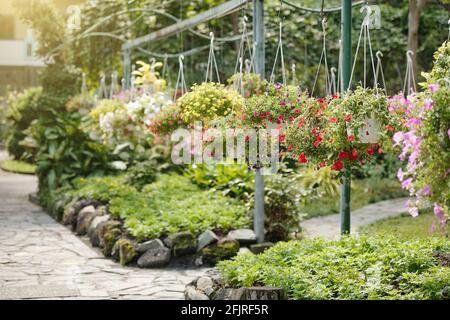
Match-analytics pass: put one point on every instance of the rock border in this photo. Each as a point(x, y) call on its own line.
point(91, 218)
point(210, 286)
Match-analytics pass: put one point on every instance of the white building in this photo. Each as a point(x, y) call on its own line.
point(18, 65)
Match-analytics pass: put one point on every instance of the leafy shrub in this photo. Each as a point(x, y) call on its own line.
point(142, 173)
point(208, 101)
point(169, 205)
point(22, 109)
point(364, 268)
point(283, 194)
point(234, 180)
point(65, 151)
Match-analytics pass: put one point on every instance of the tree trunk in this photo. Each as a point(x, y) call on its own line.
point(415, 8)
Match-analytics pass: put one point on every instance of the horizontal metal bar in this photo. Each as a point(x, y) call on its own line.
point(216, 12)
point(325, 10)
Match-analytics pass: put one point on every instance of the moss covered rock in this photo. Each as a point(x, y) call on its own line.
point(181, 243)
point(124, 251)
point(224, 249)
point(108, 233)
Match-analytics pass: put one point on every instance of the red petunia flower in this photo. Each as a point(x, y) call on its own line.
point(282, 138)
point(314, 131)
point(350, 138)
point(280, 118)
point(389, 128)
point(301, 123)
point(354, 155)
point(289, 148)
point(348, 118)
point(291, 118)
point(338, 166)
point(333, 120)
point(343, 155)
point(322, 164)
point(297, 111)
point(380, 151)
point(370, 151)
point(302, 158)
point(318, 141)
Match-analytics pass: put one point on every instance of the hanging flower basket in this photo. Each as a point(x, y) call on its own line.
point(344, 131)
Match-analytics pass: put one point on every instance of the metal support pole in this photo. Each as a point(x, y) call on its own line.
point(127, 68)
point(258, 31)
point(346, 36)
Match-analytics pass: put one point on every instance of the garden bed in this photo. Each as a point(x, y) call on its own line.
point(169, 221)
point(366, 268)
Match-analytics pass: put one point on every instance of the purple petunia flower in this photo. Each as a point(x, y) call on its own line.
point(433, 87)
point(439, 213)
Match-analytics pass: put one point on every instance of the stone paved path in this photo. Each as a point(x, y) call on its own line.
point(41, 259)
point(328, 227)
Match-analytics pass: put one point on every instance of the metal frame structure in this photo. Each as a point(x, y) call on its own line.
point(259, 60)
point(213, 13)
point(258, 29)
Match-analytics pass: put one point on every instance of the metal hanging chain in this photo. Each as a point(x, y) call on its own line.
point(340, 80)
point(164, 69)
point(212, 62)
point(103, 91)
point(364, 30)
point(448, 37)
point(280, 53)
point(333, 89)
point(409, 85)
point(323, 56)
point(379, 70)
point(181, 82)
point(245, 42)
point(84, 90)
point(294, 74)
point(114, 84)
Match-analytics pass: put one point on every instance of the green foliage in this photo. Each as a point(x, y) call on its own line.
point(65, 151)
point(282, 206)
point(208, 101)
point(169, 205)
point(435, 131)
point(234, 180)
point(283, 194)
point(17, 166)
point(142, 173)
point(322, 181)
point(351, 268)
point(21, 110)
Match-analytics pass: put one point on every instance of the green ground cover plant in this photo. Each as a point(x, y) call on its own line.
point(18, 166)
point(169, 205)
point(350, 268)
point(406, 227)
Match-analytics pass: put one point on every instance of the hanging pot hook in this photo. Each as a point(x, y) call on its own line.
point(409, 54)
point(379, 55)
